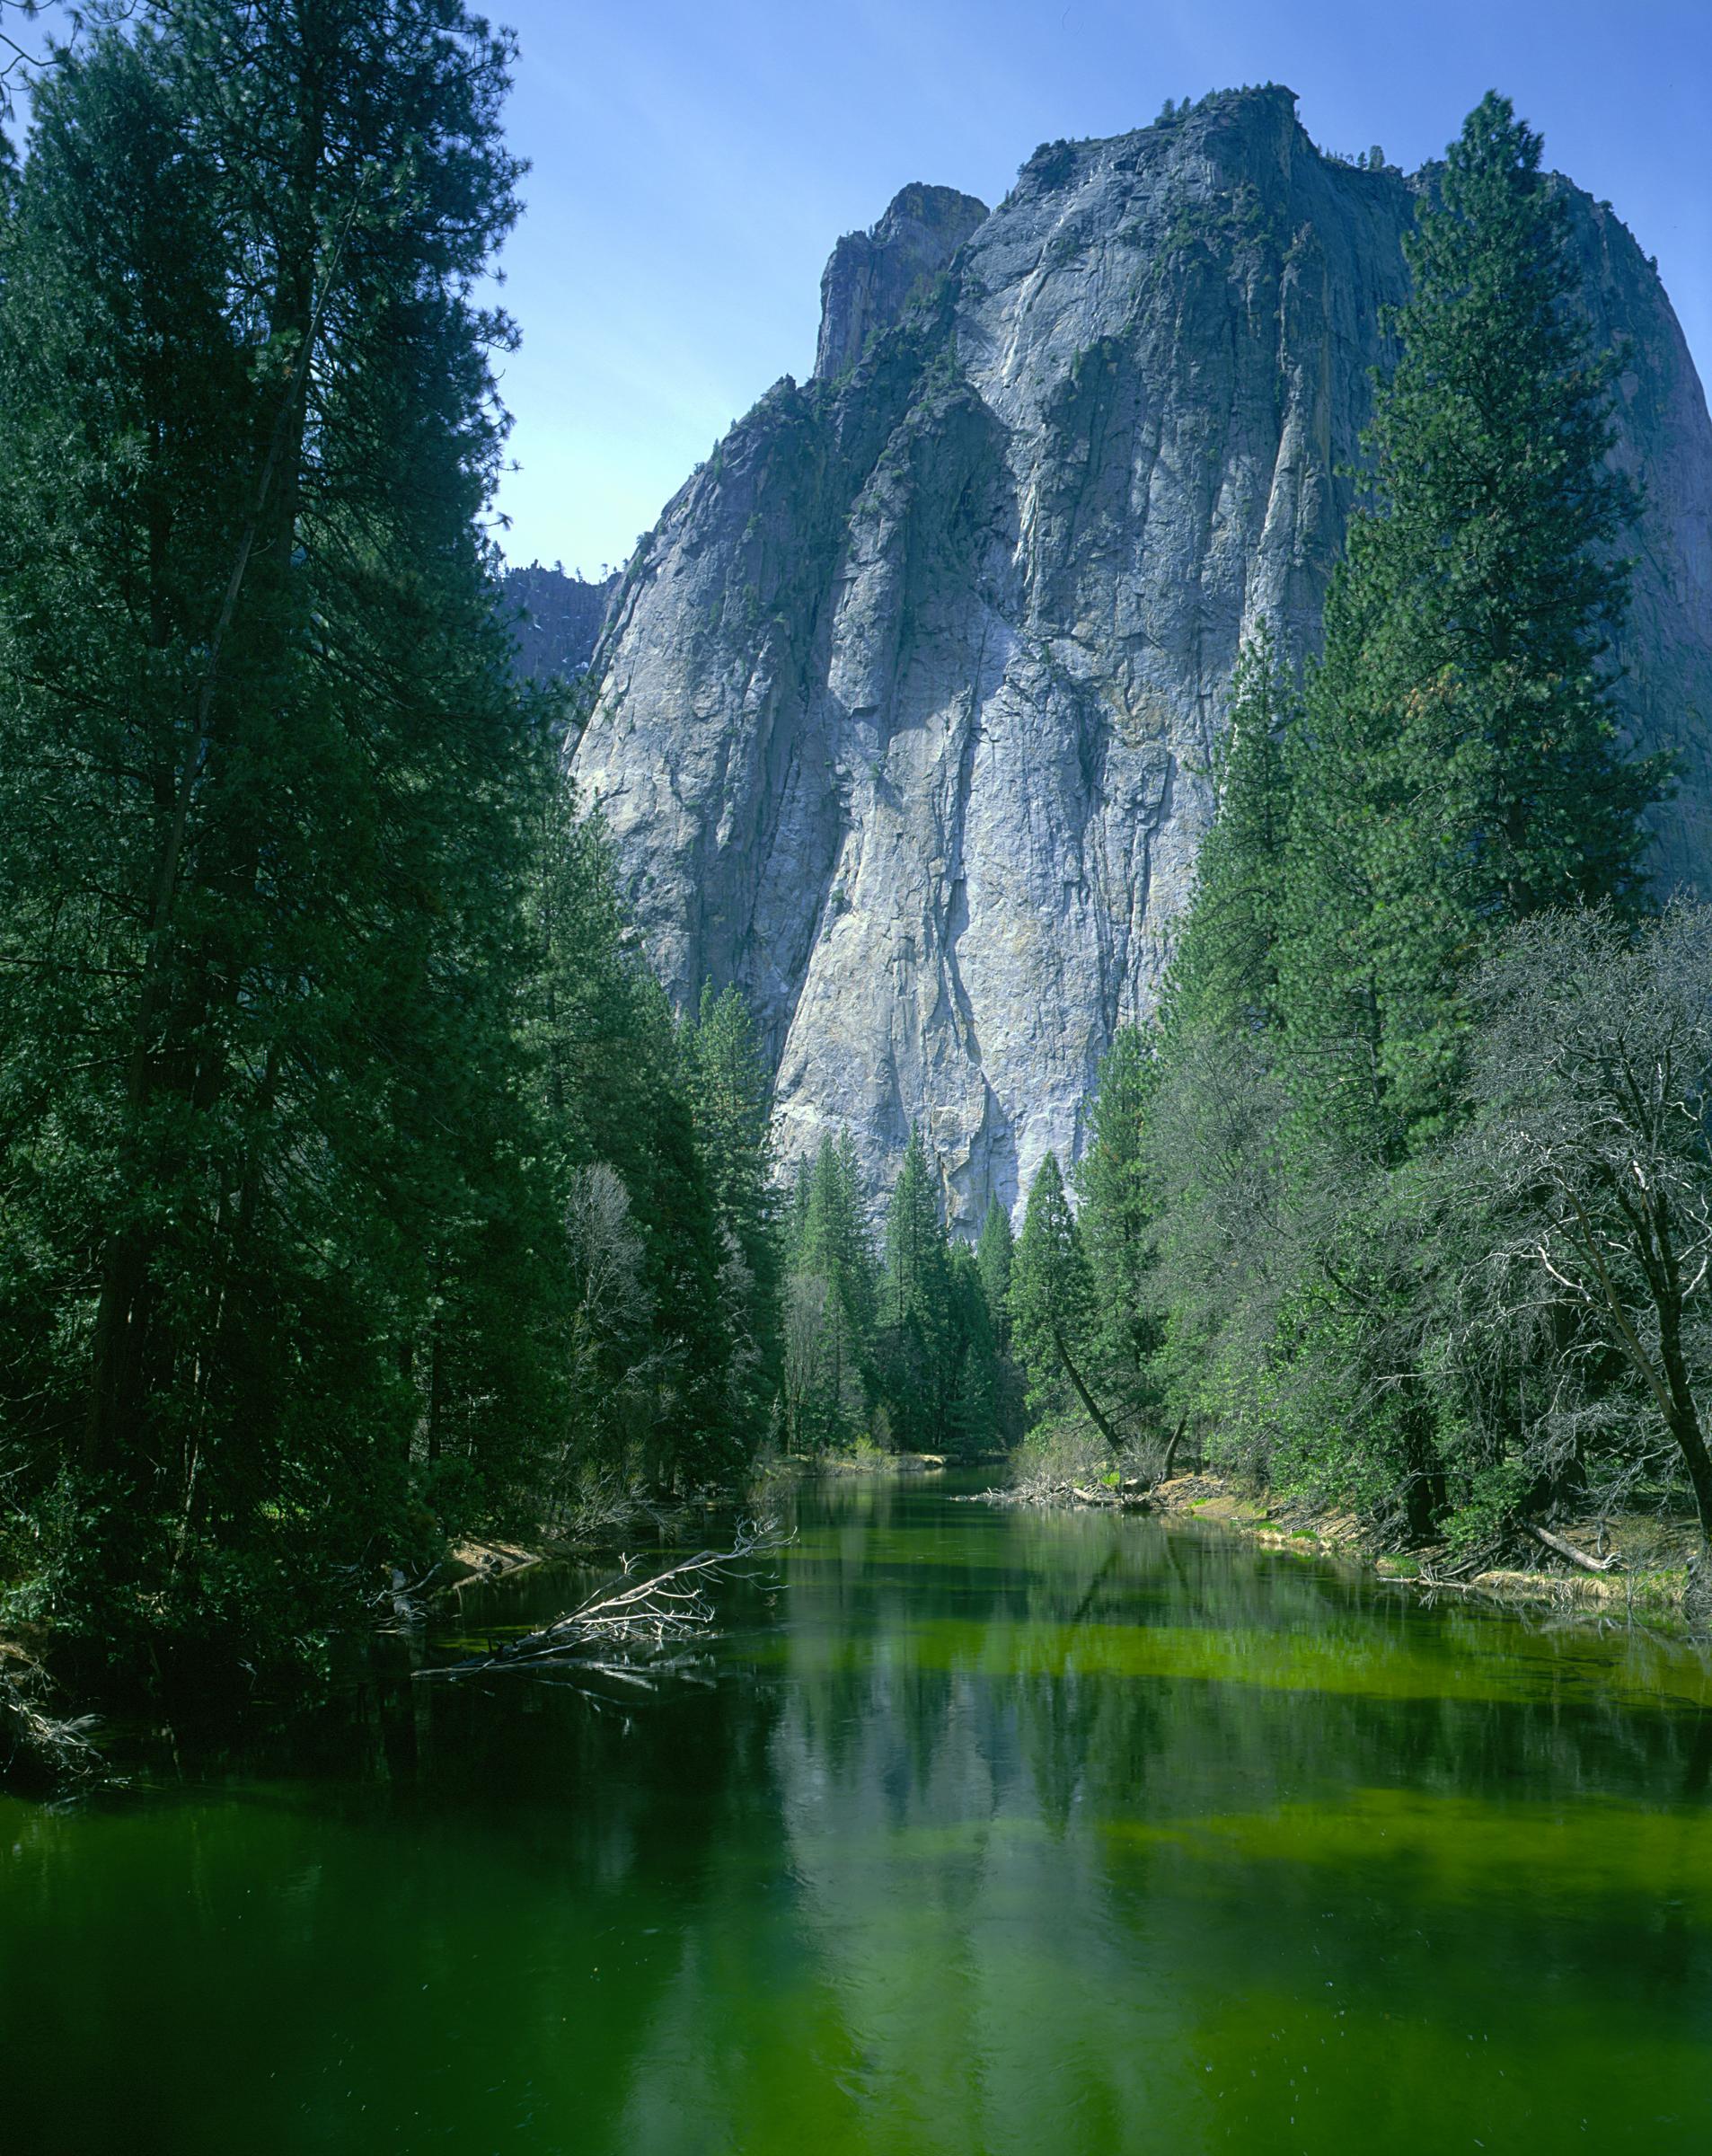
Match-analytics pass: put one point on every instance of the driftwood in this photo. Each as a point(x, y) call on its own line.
point(1567, 1551)
point(38, 1749)
point(631, 1618)
point(1128, 1497)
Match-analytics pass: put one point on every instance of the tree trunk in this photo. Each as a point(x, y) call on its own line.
point(1682, 1416)
point(1085, 1396)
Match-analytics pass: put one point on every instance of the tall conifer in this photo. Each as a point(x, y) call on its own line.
point(264, 814)
point(1459, 765)
point(1117, 1223)
point(994, 1252)
point(1223, 976)
point(1053, 1310)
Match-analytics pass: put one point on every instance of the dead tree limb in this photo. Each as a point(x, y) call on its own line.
point(640, 1616)
point(40, 1750)
point(1567, 1551)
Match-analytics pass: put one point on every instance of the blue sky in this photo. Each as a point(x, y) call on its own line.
point(694, 164)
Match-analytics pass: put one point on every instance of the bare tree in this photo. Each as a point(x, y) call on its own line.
point(1591, 1071)
point(612, 1307)
point(605, 1250)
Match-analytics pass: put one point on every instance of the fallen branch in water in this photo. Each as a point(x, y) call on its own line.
point(664, 1610)
point(39, 1749)
point(1127, 1497)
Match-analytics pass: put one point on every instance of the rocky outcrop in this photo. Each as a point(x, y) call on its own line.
point(906, 707)
point(556, 619)
point(873, 275)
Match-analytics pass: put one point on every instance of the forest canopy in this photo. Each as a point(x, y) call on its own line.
point(363, 1189)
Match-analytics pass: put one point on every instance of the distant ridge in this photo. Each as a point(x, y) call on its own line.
point(558, 619)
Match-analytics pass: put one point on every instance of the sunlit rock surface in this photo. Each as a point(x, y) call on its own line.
point(872, 275)
point(906, 707)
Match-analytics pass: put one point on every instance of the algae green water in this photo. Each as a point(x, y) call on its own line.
point(993, 1832)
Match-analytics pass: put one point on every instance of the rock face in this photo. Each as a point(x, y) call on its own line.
point(873, 275)
point(905, 709)
point(557, 619)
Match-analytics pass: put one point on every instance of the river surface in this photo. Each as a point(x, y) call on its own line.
point(989, 1830)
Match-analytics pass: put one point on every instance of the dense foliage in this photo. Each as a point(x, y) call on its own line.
point(1420, 1143)
point(357, 1187)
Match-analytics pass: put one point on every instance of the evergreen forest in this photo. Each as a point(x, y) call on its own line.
point(362, 1190)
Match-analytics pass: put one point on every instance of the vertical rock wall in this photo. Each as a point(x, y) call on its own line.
point(907, 705)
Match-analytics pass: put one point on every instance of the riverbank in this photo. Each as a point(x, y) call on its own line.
point(866, 1460)
point(1648, 1558)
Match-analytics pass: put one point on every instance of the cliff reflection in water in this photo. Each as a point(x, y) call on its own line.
point(1001, 1831)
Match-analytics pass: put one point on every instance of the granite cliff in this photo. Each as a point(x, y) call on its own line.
point(905, 708)
point(556, 619)
point(872, 275)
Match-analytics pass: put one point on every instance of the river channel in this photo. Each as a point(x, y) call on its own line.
point(987, 1831)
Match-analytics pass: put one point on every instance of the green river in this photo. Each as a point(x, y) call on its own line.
point(991, 1831)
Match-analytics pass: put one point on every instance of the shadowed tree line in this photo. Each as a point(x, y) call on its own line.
point(357, 1187)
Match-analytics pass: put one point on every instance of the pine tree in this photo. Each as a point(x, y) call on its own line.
point(835, 1238)
point(919, 1344)
point(973, 1417)
point(1053, 1312)
point(794, 1221)
point(729, 1098)
point(830, 1302)
point(266, 813)
point(993, 1252)
point(1116, 1219)
point(1459, 764)
point(1224, 973)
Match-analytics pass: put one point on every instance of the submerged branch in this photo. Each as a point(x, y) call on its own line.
point(37, 1749)
point(665, 1610)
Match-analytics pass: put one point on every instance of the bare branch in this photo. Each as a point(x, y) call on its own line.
point(668, 1608)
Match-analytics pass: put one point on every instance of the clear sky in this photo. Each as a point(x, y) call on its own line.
point(694, 161)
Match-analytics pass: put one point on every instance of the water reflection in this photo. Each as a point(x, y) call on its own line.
point(1003, 1832)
